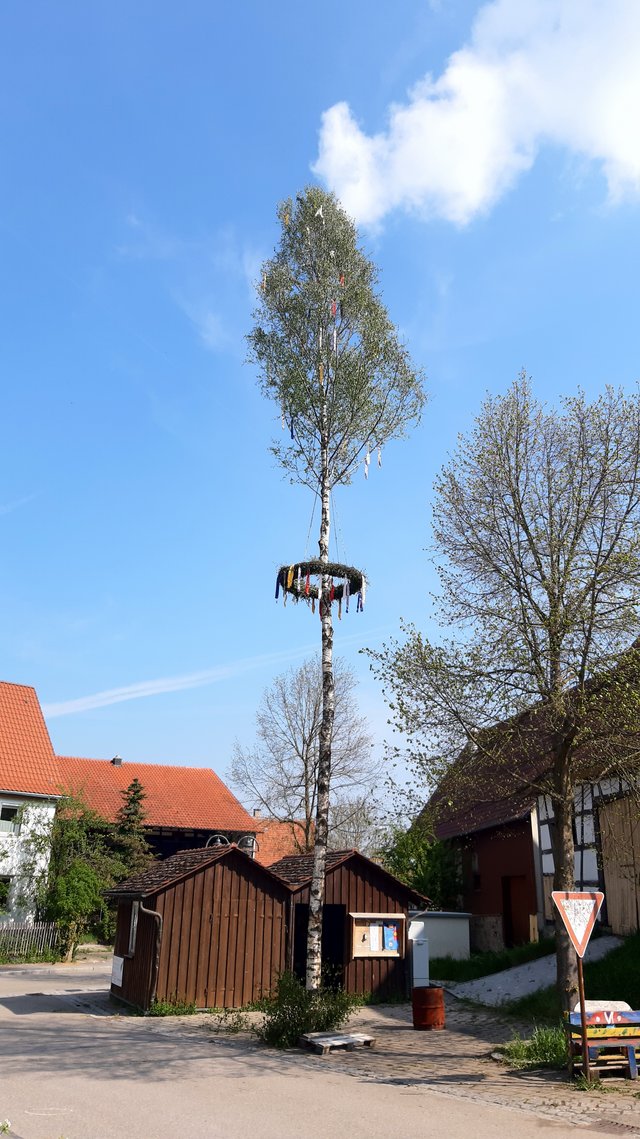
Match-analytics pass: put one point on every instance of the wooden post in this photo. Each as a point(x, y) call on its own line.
point(586, 1067)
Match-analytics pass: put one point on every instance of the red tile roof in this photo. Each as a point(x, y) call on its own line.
point(191, 798)
point(276, 840)
point(27, 760)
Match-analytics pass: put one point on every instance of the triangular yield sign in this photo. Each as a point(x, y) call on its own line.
point(578, 910)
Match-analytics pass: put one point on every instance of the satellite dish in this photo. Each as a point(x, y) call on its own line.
point(217, 840)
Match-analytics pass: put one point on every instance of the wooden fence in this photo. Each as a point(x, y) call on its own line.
point(28, 939)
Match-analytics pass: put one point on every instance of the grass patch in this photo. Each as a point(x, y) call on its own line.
point(615, 978)
point(230, 1021)
point(172, 1008)
point(45, 956)
point(546, 1048)
point(483, 964)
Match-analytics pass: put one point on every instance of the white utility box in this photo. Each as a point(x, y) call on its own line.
point(419, 953)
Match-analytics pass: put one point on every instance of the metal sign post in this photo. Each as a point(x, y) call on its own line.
point(586, 1065)
point(579, 910)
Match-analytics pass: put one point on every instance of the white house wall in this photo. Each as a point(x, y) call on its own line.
point(588, 874)
point(19, 861)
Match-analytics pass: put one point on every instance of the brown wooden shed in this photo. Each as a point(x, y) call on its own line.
point(207, 926)
point(364, 940)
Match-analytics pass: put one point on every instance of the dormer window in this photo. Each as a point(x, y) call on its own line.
point(9, 821)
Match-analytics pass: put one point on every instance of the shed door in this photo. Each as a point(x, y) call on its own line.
point(515, 912)
point(333, 941)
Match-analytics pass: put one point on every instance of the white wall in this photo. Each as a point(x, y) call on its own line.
point(447, 933)
point(18, 859)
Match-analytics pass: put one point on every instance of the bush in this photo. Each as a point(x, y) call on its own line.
point(173, 1007)
point(294, 1010)
point(547, 1048)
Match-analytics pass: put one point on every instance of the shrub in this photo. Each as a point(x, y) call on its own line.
point(294, 1010)
point(173, 1007)
point(547, 1048)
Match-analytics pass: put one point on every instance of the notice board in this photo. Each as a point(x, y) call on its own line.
point(378, 935)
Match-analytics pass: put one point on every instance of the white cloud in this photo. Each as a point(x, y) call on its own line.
point(535, 72)
point(192, 679)
point(204, 275)
point(9, 507)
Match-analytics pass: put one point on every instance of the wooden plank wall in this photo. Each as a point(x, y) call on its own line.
point(137, 975)
point(361, 890)
point(620, 837)
point(224, 936)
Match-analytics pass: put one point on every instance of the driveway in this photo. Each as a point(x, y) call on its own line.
point(73, 1068)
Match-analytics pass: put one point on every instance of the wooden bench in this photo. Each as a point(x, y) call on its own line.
point(611, 1027)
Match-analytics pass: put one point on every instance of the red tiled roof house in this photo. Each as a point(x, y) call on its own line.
point(28, 793)
point(184, 806)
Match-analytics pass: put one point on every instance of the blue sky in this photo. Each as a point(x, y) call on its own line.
point(491, 155)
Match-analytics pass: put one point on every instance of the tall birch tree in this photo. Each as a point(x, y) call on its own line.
point(537, 686)
point(330, 358)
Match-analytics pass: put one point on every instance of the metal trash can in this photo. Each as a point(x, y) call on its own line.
point(427, 1003)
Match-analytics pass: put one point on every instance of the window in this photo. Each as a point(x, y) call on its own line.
point(9, 820)
point(133, 928)
point(5, 886)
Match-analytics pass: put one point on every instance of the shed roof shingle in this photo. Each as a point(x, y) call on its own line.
point(164, 873)
point(27, 760)
point(296, 869)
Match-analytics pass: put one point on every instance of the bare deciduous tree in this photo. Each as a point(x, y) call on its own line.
point(279, 773)
point(537, 542)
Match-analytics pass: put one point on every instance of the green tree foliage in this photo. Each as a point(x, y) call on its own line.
point(329, 356)
point(431, 867)
point(132, 814)
point(537, 543)
point(87, 855)
point(339, 396)
point(127, 838)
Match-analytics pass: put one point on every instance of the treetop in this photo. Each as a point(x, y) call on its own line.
point(325, 346)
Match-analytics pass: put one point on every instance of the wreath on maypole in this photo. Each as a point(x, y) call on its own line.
point(303, 582)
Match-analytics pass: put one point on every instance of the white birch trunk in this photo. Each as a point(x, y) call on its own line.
point(316, 899)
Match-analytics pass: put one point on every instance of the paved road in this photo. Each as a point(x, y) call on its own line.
point(72, 1069)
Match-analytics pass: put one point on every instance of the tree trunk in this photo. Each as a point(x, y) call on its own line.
point(316, 899)
point(563, 879)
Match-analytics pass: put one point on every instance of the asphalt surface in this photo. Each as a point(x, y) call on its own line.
point(74, 1069)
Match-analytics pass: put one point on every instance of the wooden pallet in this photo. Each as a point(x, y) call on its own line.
point(325, 1042)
